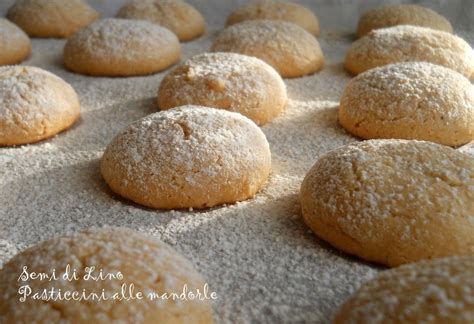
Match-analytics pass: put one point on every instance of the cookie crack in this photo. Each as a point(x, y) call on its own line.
point(186, 130)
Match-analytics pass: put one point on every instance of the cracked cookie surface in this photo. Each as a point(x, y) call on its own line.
point(34, 105)
point(102, 260)
point(392, 201)
point(228, 81)
point(411, 100)
point(188, 157)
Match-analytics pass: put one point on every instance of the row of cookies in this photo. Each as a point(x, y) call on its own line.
point(120, 47)
point(94, 50)
point(86, 51)
point(61, 19)
point(141, 134)
point(214, 131)
point(395, 201)
point(219, 92)
point(392, 97)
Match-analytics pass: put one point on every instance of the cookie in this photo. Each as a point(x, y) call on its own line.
point(410, 43)
point(413, 100)
point(15, 45)
point(105, 262)
point(269, 10)
point(51, 18)
point(439, 291)
point(392, 201)
point(176, 15)
point(188, 157)
point(288, 48)
point(34, 105)
point(121, 47)
point(401, 14)
point(228, 81)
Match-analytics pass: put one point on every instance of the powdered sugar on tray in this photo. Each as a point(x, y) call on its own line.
point(260, 258)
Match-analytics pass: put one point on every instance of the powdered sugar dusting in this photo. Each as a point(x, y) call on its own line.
point(414, 100)
point(436, 291)
point(225, 80)
point(259, 256)
point(28, 99)
point(158, 269)
point(125, 38)
point(276, 10)
point(412, 43)
point(406, 86)
point(362, 188)
point(279, 42)
point(203, 145)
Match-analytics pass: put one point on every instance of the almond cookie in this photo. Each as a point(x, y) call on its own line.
point(101, 262)
point(401, 14)
point(51, 18)
point(228, 81)
point(438, 291)
point(176, 15)
point(413, 100)
point(34, 105)
point(288, 48)
point(188, 157)
point(15, 45)
point(392, 201)
point(286, 11)
point(410, 43)
point(121, 47)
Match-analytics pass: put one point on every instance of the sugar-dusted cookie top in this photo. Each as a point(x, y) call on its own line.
point(229, 81)
point(51, 18)
point(392, 201)
point(188, 157)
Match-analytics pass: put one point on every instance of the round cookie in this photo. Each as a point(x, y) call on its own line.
point(438, 291)
point(410, 43)
point(150, 265)
point(288, 48)
point(15, 45)
point(51, 18)
point(176, 15)
point(392, 201)
point(401, 14)
point(121, 47)
point(286, 11)
point(229, 81)
point(34, 105)
point(413, 100)
point(188, 157)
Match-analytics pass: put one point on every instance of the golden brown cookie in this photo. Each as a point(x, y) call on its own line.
point(229, 81)
point(121, 47)
point(279, 10)
point(105, 262)
point(188, 157)
point(392, 201)
point(439, 291)
point(176, 15)
point(401, 14)
point(288, 48)
point(34, 105)
point(51, 18)
point(413, 100)
point(15, 45)
point(410, 43)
